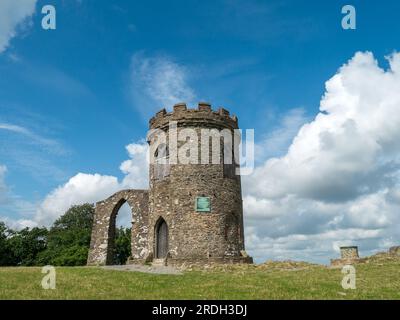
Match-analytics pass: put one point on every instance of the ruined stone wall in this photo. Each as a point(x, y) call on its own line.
point(103, 232)
point(395, 251)
point(349, 252)
point(348, 255)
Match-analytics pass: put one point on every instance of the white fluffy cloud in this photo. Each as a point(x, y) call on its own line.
point(19, 223)
point(83, 188)
point(351, 148)
point(136, 168)
point(158, 82)
point(340, 173)
point(13, 15)
point(276, 142)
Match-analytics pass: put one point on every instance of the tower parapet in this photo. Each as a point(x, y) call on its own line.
point(203, 115)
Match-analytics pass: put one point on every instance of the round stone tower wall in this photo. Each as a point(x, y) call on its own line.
point(200, 203)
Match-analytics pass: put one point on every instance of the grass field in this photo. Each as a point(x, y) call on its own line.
point(375, 280)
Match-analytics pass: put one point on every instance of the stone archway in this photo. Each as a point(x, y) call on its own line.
point(113, 228)
point(102, 241)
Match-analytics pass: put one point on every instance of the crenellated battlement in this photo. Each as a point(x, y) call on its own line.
point(202, 115)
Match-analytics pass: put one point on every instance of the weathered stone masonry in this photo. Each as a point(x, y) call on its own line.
point(166, 224)
point(103, 232)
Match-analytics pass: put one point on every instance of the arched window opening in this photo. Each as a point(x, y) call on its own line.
point(229, 164)
point(161, 152)
point(231, 227)
point(161, 162)
point(232, 234)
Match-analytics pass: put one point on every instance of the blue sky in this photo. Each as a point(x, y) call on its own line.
point(73, 98)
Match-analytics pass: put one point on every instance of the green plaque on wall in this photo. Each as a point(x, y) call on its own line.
point(203, 204)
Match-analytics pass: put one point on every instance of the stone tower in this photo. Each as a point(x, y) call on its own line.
point(192, 212)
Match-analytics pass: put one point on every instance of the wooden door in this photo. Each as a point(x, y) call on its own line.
point(162, 240)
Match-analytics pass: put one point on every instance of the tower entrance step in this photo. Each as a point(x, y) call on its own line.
point(159, 262)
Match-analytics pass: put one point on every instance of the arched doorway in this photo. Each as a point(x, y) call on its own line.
point(161, 233)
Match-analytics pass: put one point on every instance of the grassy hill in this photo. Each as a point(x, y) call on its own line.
point(379, 278)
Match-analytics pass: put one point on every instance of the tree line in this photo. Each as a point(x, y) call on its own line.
point(65, 243)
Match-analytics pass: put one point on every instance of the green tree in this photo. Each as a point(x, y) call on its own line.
point(68, 240)
point(122, 245)
point(6, 255)
point(26, 244)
